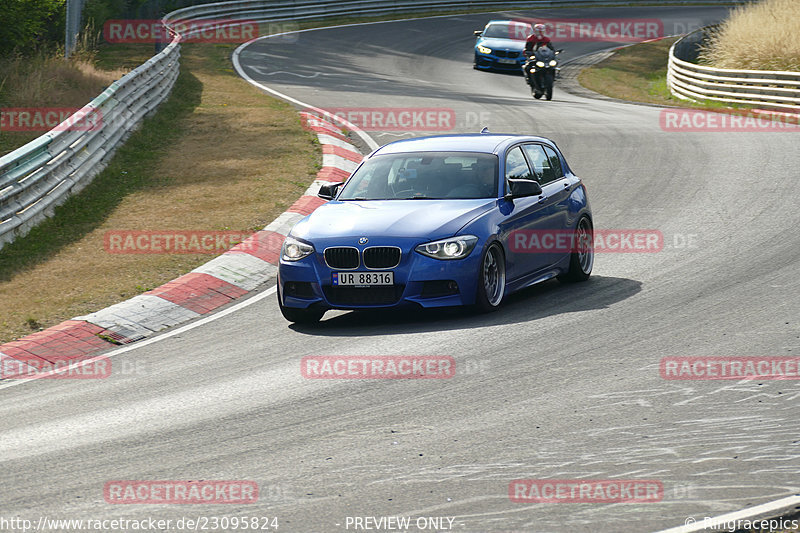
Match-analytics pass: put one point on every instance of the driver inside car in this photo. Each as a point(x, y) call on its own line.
point(479, 183)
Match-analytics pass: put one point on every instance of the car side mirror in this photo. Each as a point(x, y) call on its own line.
point(329, 191)
point(477, 33)
point(520, 188)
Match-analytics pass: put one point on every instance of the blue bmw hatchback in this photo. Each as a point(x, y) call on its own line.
point(500, 45)
point(451, 220)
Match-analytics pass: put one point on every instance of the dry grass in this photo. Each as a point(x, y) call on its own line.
point(236, 161)
point(759, 36)
point(53, 81)
point(47, 80)
point(636, 73)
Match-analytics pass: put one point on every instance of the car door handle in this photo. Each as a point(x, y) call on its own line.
point(542, 199)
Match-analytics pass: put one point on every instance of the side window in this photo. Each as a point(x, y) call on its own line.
point(555, 163)
point(538, 161)
point(516, 166)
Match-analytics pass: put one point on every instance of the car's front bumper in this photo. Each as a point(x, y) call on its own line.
point(492, 62)
point(418, 281)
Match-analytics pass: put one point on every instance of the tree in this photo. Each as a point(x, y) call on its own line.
point(27, 24)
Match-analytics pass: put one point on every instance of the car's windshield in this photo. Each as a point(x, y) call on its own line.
point(424, 175)
point(507, 30)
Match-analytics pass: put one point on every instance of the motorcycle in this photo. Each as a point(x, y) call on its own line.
point(540, 72)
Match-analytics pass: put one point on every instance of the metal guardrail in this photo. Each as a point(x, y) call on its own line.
point(42, 174)
point(774, 89)
point(282, 10)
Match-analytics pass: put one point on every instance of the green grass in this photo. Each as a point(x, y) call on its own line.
point(123, 56)
point(11, 141)
point(43, 80)
point(638, 73)
point(217, 155)
point(130, 170)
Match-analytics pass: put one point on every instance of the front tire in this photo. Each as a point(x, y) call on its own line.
point(581, 260)
point(297, 315)
point(491, 279)
point(549, 80)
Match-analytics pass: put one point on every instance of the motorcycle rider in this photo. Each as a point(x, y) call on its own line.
point(537, 39)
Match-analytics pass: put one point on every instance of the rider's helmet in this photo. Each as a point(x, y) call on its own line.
point(538, 29)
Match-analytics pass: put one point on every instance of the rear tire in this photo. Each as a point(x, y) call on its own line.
point(297, 315)
point(491, 279)
point(549, 93)
point(581, 260)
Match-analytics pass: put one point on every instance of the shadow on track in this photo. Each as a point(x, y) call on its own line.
point(542, 300)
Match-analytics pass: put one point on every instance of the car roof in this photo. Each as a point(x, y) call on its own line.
point(507, 21)
point(490, 143)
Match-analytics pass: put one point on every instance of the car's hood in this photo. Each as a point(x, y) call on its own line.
point(379, 219)
point(502, 44)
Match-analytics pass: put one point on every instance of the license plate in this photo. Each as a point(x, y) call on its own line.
point(362, 279)
point(506, 61)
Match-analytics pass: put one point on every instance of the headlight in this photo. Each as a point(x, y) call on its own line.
point(540, 64)
point(484, 50)
point(533, 70)
point(452, 248)
point(294, 250)
point(553, 62)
